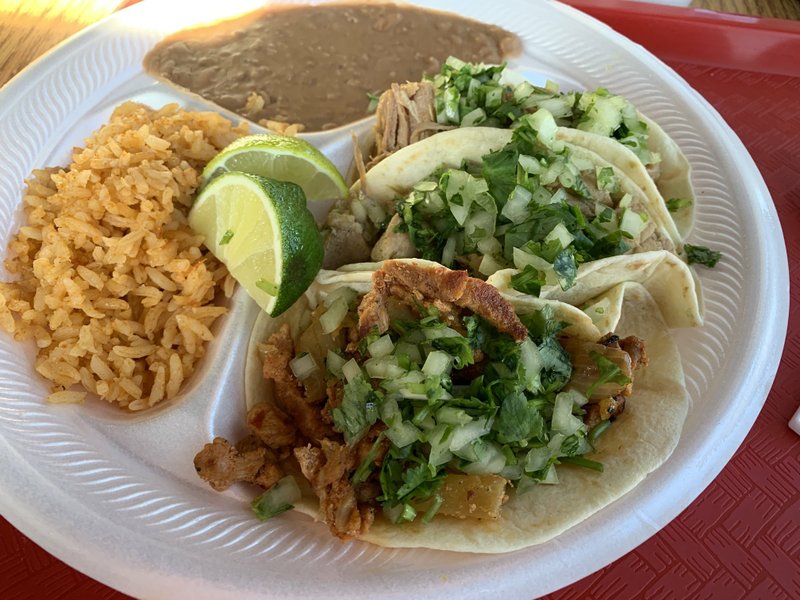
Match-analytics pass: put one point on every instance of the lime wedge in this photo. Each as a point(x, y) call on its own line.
point(263, 232)
point(282, 158)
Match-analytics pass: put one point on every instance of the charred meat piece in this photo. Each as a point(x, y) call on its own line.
point(585, 371)
point(222, 465)
point(278, 352)
point(605, 409)
point(634, 346)
point(415, 284)
point(271, 426)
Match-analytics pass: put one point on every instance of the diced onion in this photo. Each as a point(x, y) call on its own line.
point(516, 207)
point(490, 245)
point(532, 363)
point(552, 477)
point(330, 320)
point(385, 367)
point(451, 415)
point(542, 196)
point(511, 472)
point(560, 195)
point(560, 233)
point(545, 125)
point(449, 251)
point(490, 460)
point(626, 201)
point(473, 118)
point(383, 346)
point(437, 363)
point(564, 421)
point(426, 186)
point(522, 259)
point(351, 370)
point(469, 432)
point(402, 433)
point(632, 223)
point(303, 366)
point(409, 350)
point(334, 362)
point(537, 459)
point(489, 265)
point(531, 165)
point(439, 439)
point(279, 498)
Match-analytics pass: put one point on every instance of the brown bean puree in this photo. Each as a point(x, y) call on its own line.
point(315, 64)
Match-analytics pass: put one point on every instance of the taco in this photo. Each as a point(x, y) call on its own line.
point(486, 199)
point(467, 95)
point(437, 412)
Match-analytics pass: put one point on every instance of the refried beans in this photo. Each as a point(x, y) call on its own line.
point(315, 65)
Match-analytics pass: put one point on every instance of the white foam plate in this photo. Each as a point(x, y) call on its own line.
point(117, 497)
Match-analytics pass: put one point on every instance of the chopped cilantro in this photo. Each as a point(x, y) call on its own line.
point(358, 411)
point(528, 281)
point(608, 371)
point(675, 204)
point(701, 255)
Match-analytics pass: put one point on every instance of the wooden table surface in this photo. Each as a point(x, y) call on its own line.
point(28, 28)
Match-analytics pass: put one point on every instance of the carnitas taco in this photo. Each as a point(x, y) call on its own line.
point(469, 95)
point(415, 406)
point(486, 199)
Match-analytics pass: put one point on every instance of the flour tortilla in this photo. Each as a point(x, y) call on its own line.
point(641, 439)
point(672, 285)
point(674, 180)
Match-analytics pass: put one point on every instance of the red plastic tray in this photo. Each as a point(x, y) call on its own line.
point(741, 537)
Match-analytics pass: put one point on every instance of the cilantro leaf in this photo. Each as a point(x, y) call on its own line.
point(358, 411)
point(556, 365)
point(458, 347)
point(529, 281)
point(566, 268)
point(517, 420)
point(702, 255)
point(675, 204)
point(609, 371)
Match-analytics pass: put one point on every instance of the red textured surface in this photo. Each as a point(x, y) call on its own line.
point(741, 537)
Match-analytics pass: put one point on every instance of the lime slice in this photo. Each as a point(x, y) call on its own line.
point(264, 233)
point(282, 158)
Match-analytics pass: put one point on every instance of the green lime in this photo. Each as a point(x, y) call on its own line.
point(282, 158)
point(263, 232)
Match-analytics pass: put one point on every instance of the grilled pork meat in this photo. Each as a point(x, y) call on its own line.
point(222, 465)
point(420, 285)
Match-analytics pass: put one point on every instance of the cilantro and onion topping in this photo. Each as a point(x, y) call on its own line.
point(486, 95)
point(460, 397)
point(530, 205)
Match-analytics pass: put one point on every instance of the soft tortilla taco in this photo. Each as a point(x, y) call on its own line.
point(468, 95)
point(414, 406)
point(487, 199)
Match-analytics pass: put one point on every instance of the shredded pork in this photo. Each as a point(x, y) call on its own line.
point(405, 114)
